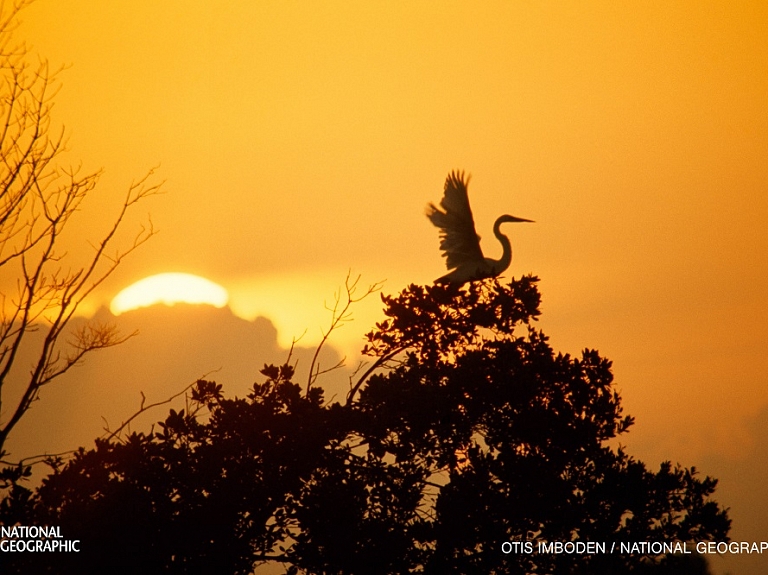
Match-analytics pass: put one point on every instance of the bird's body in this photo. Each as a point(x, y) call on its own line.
point(459, 240)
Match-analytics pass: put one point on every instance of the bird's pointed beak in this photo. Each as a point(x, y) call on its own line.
point(516, 219)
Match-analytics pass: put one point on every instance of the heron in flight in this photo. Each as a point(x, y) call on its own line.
point(459, 240)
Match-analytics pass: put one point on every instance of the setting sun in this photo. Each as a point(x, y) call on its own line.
point(169, 288)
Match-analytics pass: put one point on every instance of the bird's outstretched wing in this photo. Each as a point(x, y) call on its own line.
point(458, 238)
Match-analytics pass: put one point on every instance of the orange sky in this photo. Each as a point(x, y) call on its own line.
point(300, 139)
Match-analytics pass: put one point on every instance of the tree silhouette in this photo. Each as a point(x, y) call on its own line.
point(467, 435)
point(38, 199)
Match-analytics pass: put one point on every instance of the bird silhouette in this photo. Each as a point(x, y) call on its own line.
point(459, 240)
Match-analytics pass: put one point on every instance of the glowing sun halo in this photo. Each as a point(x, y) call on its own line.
point(169, 289)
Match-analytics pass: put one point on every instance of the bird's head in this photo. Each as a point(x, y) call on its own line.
point(507, 218)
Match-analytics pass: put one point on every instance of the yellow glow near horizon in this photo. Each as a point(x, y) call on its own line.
point(169, 288)
point(298, 306)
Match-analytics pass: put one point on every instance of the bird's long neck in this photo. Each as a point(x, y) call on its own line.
point(506, 256)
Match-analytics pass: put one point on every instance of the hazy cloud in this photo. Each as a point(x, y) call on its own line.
point(174, 346)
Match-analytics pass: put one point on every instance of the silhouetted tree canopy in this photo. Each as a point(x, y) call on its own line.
point(471, 432)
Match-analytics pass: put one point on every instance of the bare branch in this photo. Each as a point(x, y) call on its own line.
point(36, 459)
point(340, 314)
point(38, 199)
point(143, 408)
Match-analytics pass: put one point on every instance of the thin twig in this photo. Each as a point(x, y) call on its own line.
point(340, 315)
